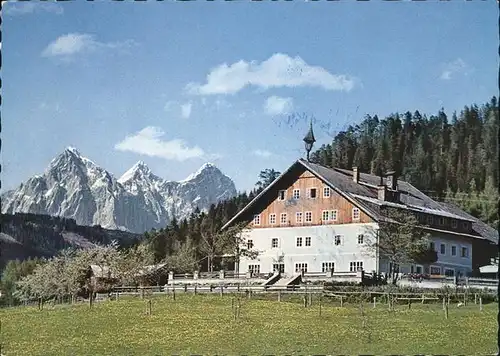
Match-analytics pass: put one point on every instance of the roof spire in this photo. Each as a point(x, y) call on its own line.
point(309, 140)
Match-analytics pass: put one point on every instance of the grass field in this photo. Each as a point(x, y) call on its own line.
point(205, 325)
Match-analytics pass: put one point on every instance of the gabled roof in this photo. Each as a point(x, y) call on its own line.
point(364, 195)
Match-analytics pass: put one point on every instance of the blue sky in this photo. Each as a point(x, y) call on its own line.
point(177, 84)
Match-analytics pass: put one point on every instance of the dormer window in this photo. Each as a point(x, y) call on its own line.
point(282, 195)
point(430, 220)
point(465, 225)
point(441, 221)
point(454, 223)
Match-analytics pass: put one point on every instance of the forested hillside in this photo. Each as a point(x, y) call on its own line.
point(448, 157)
point(452, 158)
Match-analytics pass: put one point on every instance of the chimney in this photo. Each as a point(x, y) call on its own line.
point(392, 180)
point(355, 174)
point(382, 192)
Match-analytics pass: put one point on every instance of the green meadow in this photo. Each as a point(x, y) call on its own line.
point(206, 324)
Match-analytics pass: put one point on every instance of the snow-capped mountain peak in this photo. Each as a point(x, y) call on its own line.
point(138, 170)
point(75, 187)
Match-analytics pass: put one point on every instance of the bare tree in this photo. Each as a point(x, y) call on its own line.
point(400, 240)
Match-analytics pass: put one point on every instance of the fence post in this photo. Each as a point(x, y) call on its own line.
point(221, 290)
point(341, 301)
point(480, 303)
point(305, 301)
point(409, 303)
point(195, 288)
point(446, 311)
point(374, 302)
point(475, 298)
point(171, 277)
point(173, 292)
point(279, 296)
point(149, 307)
point(320, 300)
point(444, 302)
point(310, 298)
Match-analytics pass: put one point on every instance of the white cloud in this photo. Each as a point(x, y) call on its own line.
point(279, 70)
point(73, 43)
point(27, 8)
point(455, 67)
point(148, 142)
point(276, 105)
point(262, 153)
point(186, 110)
point(169, 105)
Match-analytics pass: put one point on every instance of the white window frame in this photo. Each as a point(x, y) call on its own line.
point(327, 215)
point(449, 269)
point(355, 266)
point(327, 266)
point(283, 215)
point(273, 240)
point(252, 267)
point(353, 214)
point(307, 239)
point(430, 220)
point(454, 223)
point(296, 196)
point(301, 266)
point(441, 221)
point(441, 249)
point(297, 240)
point(250, 244)
point(301, 214)
point(305, 217)
point(325, 194)
point(334, 214)
point(434, 266)
point(362, 239)
point(284, 194)
point(451, 250)
point(340, 239)
point(466, 249)
point(309, 192)
point(256, 219)
point(272, 219)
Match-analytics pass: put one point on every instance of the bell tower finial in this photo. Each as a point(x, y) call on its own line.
point(309, 140)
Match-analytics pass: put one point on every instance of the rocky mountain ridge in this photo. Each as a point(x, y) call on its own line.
point(75, 187)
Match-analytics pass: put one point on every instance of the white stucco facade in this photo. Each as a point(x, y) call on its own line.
point(321, 250)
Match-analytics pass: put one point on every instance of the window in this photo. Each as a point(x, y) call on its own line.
point(443, 249)
point(355, 266)
point(325, 215)
point(282, 195)
point(454, 223)
point(312, 193)
point(465, 225)
point(355, 214)
point(296, 194)
point(453, 250)
point(298, 242)
point(308, 241)
point(327, 267)
point(338, 240)
point(279, 267)
point(298, 217)
point(435, 270)
point(283, 218)
point(449, 272)
point(272, 219)
point(430, 220)
point(465, 252)
point(250, 244)
point(254, 269)
point(419, 269)
point(333, 215)
point(326, 192)
point(256, 220)
point(441, 221)
point(309, 215)
point(301, 267)
point(433, 246)
point(274, 242)
point(361, 239)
